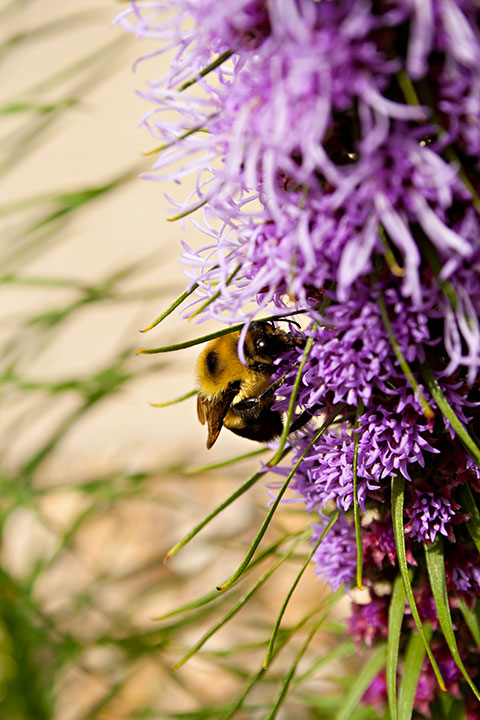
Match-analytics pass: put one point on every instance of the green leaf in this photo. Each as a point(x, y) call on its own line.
point(398, 488)
point(242, 489)
point(271, 644)
point(449, 413)
point(238, 605)
point(470, 506)
point(272, 714)
point(293, 397)
point(436, 572)
point(414, 656)
point(426, 409)
point(364, 679)
point(176, 400)
point(251, 551)
point(216, 294)
point(214, 594)
point(356, 506)
point(472, 618)
point(212, 66)
point(396, 613)
point(178, 301)
point(196, 469)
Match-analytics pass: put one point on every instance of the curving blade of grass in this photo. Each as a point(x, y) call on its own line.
point(171, 308)
point(470, 506)
point(363, 680)
point(223, 463)
point(472, 619)
point(293, 397)
point(272, 714)
point(242, 489)
point(436, 573)
point(396, 613)
point(216, 294)
point(414, 655)
point(238, 605)
point(176, 400)
point(189, 343)
point(330, 419)
point(449, 413)
point(356, 506)
point(211, 66)
point(213, 594)
point(398, 489)
point(426, 409)
point(284, 638)
point(271, 644)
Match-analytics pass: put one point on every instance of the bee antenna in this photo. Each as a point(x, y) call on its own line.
point(289, 321)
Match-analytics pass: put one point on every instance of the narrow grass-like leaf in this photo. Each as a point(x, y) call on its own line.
point(271, 644)
point(234, 496)
point(394, 267)
point(282, 641)
point(190, 210)
point(344, 649)
point(242, 489)
point(211, 66)
point(171, 308)
point(272, 714)
point(223, 463)
point(293, 397)
point(414, 655)
point(430, 253)
point(398, 489)
point(426, 409)
point(356, 506)
point(187, 133)
point(189, 343)
point(211, 596)
point(204, 338)
point(179, 399)
point(449, 413)
point(470, 506)
point(446, 707)
point(216, 294)
point(396, 613)
point(411, 97)
point(330, 419)
point(238, 605)
point(472, 619)
point(438, 584)
point(366, 676)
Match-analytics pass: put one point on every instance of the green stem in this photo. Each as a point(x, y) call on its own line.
point(449, 413)
point(356, 507)
point(427, 410)
point(330, 419)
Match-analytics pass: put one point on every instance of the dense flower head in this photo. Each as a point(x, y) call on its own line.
point(334, 149)
point(431, 514)
point(336, 557)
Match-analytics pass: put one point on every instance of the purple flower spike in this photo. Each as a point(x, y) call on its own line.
point(431, 514)
point(336, 557)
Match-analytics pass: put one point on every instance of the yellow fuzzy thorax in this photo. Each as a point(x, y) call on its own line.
point(228, 369)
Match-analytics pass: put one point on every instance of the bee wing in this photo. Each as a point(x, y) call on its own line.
point(202, 404)
point(213, 412)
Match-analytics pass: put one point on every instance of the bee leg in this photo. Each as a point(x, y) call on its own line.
point(303, 418)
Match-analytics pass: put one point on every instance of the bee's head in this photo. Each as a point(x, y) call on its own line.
point(266, 342)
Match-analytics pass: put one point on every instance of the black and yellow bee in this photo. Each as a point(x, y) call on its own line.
point(240, 397)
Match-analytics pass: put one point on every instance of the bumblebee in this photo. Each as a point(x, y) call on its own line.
point(240, 397)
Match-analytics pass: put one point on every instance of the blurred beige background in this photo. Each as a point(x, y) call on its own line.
point(90, 143)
